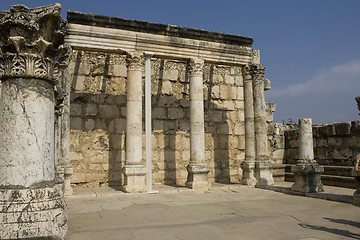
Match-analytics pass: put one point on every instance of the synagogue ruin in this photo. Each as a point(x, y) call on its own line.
point(104, 101)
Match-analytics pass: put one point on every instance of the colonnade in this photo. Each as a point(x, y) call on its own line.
point(257, 167)
point(134, 171)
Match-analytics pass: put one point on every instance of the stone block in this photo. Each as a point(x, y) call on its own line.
point(89, 124)
point(166, 88)
point(239, 80)
point(334, 142)
point(343, 128)
point(118, 70)
point(171, 75)
point(235, 70)
point(79, 82)
point(229, 79)
point(239, 129)
point(158, 113)
point(228, 105)
point(175, 113)
point(233, 92)
point(184, 125)
point(217, 78)
point(215, 92)
point(109, 111)
point(84, 68)
point(75, 109)
point(241, 145)
point(90, 110)
point(224, 92)
point(75, 123)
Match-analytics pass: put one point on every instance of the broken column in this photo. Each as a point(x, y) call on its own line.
point(197, 169)
point(32, 57)
point(134, 170)
point(307, 172)
point(248, 166)
point(263, 166)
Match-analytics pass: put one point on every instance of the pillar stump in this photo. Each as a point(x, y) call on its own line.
point(32, 57)
point(307, 172)
point(356, 175)
point(197, 169)
point(134, 170)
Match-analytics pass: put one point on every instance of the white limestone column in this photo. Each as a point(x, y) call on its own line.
point(263, 166)
point(197, 168)
point(32, 57)
point(248, 166)
point(134, 170)
point(306, 147)
point(307, 172)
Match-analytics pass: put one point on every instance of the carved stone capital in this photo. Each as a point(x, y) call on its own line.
point(32, 42)
point(135, 61)
point(254, 72)
point(196, 66)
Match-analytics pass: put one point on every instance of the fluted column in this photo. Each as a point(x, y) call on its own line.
point(248, 166)
point(263, 166)
point(197, 168)
point(134, 170)
point(32, 58)
point(307, 172)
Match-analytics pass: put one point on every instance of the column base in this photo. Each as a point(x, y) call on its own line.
point(264, 173)
point(33, 213)
point(307, 178)
point(134, 178)
point(357, 192)
point(248, 177)
point(198, 176)
point(68, 172)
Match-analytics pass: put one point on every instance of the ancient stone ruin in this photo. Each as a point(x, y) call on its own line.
point(72, 114)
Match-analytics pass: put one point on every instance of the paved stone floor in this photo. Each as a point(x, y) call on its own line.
point(224, 212)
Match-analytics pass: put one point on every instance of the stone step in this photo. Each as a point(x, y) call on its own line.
point(329, 180)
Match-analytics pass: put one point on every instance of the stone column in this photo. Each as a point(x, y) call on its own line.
point(32, 56)
point(263, 166)
point(356, 175)
point(248, 166)
point(307, 172)
point(134, 170)
point(197, 168)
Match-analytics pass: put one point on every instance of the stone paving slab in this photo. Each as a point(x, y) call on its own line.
point(225, 212)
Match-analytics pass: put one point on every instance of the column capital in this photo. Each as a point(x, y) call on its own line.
point(196, 66)
point(254, 72)
point(32, 43)
point(135, 60)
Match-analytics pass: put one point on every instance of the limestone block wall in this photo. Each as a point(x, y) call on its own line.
point(335, 144)
point(98, 119)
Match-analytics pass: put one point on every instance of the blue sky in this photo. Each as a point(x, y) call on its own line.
point(311, 49)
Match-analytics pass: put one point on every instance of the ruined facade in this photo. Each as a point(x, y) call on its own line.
point(72, 112)
point(198, 104)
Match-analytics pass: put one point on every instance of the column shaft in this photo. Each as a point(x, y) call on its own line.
point(134, 170)
point(307, 172)
point(248, 165)
point(31, 178)
point(264, 167)
point(197, 168)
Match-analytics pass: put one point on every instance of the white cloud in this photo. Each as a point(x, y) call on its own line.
point(337, 78)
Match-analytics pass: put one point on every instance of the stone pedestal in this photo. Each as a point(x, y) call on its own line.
point(197, 168)
point(31, 182)
point(248, 166)
point(307, 172)
point(263, 166)
point(134, 170)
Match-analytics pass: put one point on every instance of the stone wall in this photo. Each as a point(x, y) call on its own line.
point(335, 144)
point(98, 119)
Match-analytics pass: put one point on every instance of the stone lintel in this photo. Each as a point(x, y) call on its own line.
point(156, 28)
